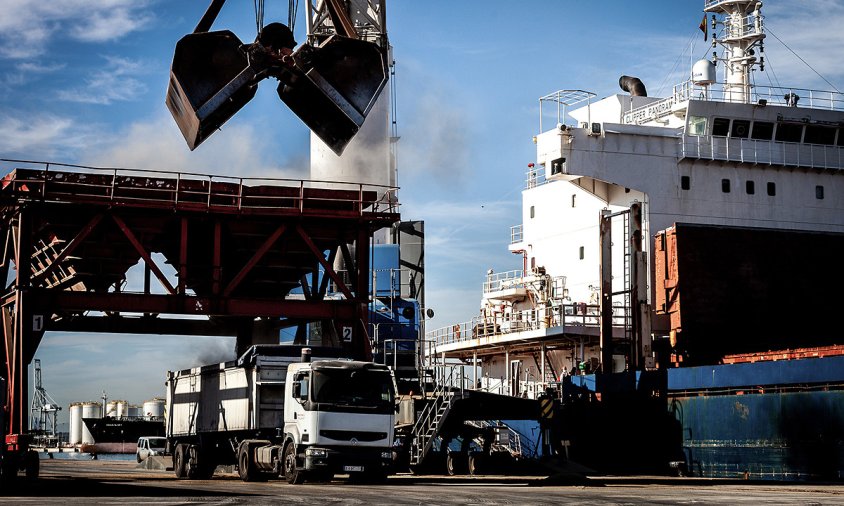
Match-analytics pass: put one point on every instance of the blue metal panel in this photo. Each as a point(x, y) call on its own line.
point(783, 372)
point(385, 266)
point(796, 435)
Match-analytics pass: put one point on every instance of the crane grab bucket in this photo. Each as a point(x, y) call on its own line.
point(331, 88)
point(210, 80)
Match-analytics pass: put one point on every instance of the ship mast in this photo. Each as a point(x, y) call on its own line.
point(743, 31)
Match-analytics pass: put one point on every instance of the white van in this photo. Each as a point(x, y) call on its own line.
point(149, 446)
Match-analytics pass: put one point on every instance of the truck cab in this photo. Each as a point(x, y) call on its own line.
point(339, 418)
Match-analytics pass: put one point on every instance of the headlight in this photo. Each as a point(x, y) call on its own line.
point(316, 452)
point(387, 455)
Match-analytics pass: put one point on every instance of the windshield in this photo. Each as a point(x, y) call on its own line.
point(157, 442)
point(353, 387)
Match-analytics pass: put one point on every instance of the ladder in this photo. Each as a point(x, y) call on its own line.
point(430, 420)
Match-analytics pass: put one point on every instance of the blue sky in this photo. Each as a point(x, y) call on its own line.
point(84, 82)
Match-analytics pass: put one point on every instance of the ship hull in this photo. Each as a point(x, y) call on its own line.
point(112, 435)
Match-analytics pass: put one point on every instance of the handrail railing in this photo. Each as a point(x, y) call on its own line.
point(81, 182)
point(765, 152)
point(563, 315)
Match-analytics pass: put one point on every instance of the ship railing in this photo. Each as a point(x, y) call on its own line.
point(155, 188)
point(561, 315)
point(747, 26)
point(535, 176)
point(561, 102)
point(725, 92)
point(516, 234)
point(763, 152)
point(496, 281)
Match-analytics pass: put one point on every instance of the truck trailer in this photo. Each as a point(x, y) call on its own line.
point(272, 414)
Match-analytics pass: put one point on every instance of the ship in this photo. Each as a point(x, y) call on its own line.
point(119, 435)
point(677, 266)
point(114, 426)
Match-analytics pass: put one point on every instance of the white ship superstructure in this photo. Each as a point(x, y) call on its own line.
point(610, 173)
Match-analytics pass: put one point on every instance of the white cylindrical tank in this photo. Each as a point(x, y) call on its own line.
point(75, 429)
point(154, 408)
point(89, 410)
point(135, 411)
point(122, 409)
point(111, 409)
point(703, 72)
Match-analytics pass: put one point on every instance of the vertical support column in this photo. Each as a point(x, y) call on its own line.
point(475, 368)
point(217, 273)
point(183, 257)
point(361, 343)
point(642, 353)
point(542, 362)
point(507, 368)
point(606, 291)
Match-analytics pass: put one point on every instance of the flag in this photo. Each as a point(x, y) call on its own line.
point(704, 27)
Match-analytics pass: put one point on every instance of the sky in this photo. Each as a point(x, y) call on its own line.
point(83, 82)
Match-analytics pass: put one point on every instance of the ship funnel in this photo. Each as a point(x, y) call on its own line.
point(633, 85)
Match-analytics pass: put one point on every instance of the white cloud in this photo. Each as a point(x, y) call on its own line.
point(115, 82)
point(26, 27)
point(46, 134)
point(156, 144)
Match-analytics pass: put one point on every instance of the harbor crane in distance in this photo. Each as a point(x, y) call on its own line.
point(44, 410)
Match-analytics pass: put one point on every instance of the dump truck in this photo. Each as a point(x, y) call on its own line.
point(271, 414)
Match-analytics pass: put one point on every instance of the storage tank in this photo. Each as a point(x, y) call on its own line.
point(111, 409)
point(135, 411)
point(122, 409)
point(75, 429)
point(154, 408)
point(89, 410)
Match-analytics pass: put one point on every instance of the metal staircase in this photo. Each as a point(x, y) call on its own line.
point(430, 420)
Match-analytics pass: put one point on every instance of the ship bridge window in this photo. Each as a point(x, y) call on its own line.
point(685, 182)
point(697, 125)
point(819, 192)
point(840, 137)
point(720, 127)
point(725, 185)
point(789, 132)
point(762, 130)
point(750, 187)
point(816, 134)
point(741, 129)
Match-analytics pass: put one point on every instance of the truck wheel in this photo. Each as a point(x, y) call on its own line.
point(244, 465)
point(180, 462)
point(475, 463)
point(292, 473)
point(32, 465)
point(199, 465)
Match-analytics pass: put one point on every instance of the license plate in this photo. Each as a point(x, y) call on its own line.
point(353, 469)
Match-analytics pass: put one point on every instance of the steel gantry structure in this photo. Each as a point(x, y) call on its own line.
point(251, 255)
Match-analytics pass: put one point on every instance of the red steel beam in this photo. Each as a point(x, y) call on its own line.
point(144, 254)
point(69, 301)
point(255, 259)
point(70, 248)
point(328, 269)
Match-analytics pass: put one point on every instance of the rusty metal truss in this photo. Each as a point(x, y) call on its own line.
point(251, 255)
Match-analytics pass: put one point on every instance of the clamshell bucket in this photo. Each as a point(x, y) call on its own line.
point(210, 80)
point(333, 87)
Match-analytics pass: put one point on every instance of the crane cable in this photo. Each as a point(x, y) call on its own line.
point(292, 13)
point(801, 59)
point(259, 15)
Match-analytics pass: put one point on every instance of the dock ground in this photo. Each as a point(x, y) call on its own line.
point(103, 481)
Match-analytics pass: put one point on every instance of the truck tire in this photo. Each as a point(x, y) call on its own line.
point(180, 462)
point(199, 464)
point(292, 473)
point(246, 467)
